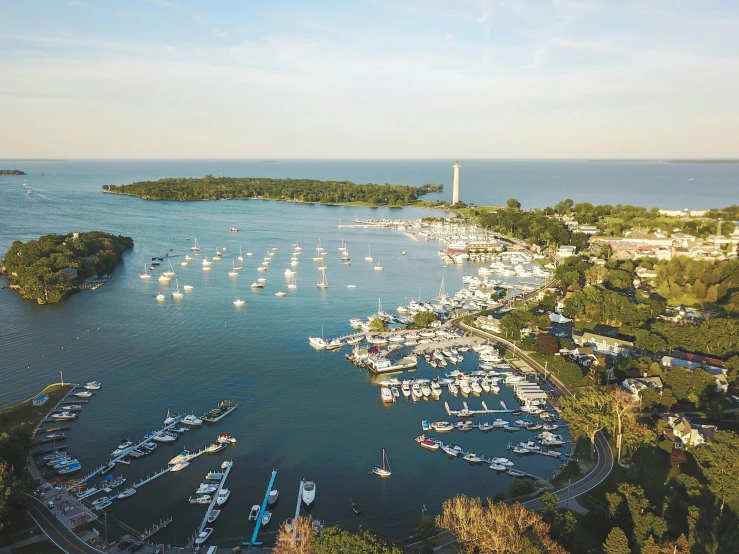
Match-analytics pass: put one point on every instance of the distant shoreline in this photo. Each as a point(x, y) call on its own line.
point(12, 172)
point(676, 161)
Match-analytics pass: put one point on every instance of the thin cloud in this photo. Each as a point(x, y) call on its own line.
point(75, 4)
point(220, 33)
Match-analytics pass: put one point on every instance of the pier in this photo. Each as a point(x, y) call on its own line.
point(466, 412)
point(253, 541)
point(297, 506)
point(150, 479)
point(213, 502)
point(155, 528)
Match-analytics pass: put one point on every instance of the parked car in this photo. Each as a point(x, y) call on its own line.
point(136, 547)
point(124, 544)
point(50, 505)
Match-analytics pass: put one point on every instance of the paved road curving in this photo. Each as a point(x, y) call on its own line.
point(56, 530)
point(605, 455)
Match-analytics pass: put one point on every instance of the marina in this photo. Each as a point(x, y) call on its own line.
point(263, 509)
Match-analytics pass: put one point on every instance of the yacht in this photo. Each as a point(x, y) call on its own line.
point(280, 294)
point(183, 264)
point(453, 389)
point(179, 467)
point(190, 419)
point(386, 395)
point(93, 385)
point(254, 513)
point(214, 475)
point(416, 391)
point(384, 469)
point(206, 488)
point(145, 274)
point(426, 389)
point(257, 285)
point(223, 495)
point(183, 456)
point(406, 389)
point(203, 535)
point(200, 499)
point(126, 493)
point(177, 294)
point(309, 492)
point(239, 303)
point(163, 437)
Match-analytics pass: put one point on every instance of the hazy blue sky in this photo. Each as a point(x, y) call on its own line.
point(369, 78)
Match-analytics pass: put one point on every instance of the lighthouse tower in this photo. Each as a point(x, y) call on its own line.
point(455, 190)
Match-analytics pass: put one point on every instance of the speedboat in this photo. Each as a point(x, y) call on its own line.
point(472, 458)
point(223, 495)
point(266, 517)
point(183, 456)
point(214, 475)
point(126, 493)
point(170, 419)
point(201, 499)
point(93, 385)
point(216, 447)
point(429, 444)
point(502, 461)
point(213, 515)
point(188, 287)
point(123, 447)
point(254, 514)
point(273, 495)
point(83, 394)
point(163, 437)
point(257, 285)
point(452, 450)
point(280, 294)
point(442, 426)
point(179, 467)
point(190, 419)
point(309, 492)
point(225, 438)
point(206, 488)
point(203, 535)
point(239, 303)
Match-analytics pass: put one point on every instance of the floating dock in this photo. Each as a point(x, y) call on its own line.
point(253, 541)
point(213, 501)
point(466, 412)
point(150, 479)
point(297, 506)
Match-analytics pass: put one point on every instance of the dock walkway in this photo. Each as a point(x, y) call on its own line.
point(466, 412)
point(213, 502)
point(253, 541)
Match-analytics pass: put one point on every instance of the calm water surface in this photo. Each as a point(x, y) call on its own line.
point(305, 413)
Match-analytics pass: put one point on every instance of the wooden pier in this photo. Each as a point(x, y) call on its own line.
point(49, 450)
point(155, 528)
point(47, 440)
point(466, 412)
point(297, 506)
point(253, 541)
point(212, 504)
point(150, 479)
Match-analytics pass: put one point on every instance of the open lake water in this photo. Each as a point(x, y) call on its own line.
point(305, 413)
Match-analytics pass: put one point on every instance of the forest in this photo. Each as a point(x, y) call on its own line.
point(291, 190)
point(37, 268)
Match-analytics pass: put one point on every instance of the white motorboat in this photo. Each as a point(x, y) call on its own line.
point(145, 274)
point(126, 493)
point(435, 389)
point(188, 257)
point(452, 450)
point(183, 456)
point(254, 513)
point(123, 447)
point(266, 517)
point(386, 395)
point(239, 303)
point(83, 394)
point(273, 495)
point(416, 391)
point(213, 515)
point(163, 437)
point(179, 467)
point(280, 294)
point(425, 389)
point(164, 279)
point(249, 253)
point(203, 535)
point(453, 389)
point(309, 492)
point(472, 458)
point(498, 467)
point(406, 389)
point(214, 475)
point(190, 419)
point(160, 297)
point(188, 288)
point(384, 469)
point(257, 285)
point(93, 385)
point(223, 495)
point(206, 488)
point(96, 504)
point(262, 280)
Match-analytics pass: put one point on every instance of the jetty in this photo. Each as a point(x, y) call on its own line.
point(155, 528)
point(213, 501)
point(466, 412)
point(297, 505)
point(253, 541)
point(150, 479)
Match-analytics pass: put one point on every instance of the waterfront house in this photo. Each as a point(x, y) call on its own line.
point(565, 251)
point(684, 434)
point(488, 323)
point(637, 384)
point(600, 343)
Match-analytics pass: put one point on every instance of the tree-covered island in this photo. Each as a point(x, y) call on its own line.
point(289, 190)
point(12, 172)
point(50, 269)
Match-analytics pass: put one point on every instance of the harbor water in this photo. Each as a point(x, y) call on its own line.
point(306, 413)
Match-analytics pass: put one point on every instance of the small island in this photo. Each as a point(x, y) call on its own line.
point(289, 190)
point(12, 172)
point(49, 269)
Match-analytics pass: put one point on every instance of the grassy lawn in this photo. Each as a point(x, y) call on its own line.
point(684, 300)
point(28, 416)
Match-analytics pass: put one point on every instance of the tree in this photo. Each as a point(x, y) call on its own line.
point(513, 204)
point(378, 325)
point(587, 413)
point(637, 435)
point(422, 320)
point(649, 397)
point(548, 301)
point(468, 320)
point(546, 345)
point(622, 409)
point(719, 461)
point(497, 528)
point(596, 274)
point(561, 521)
point(335, 540)
point(296, 541)
point(616, 542)
point(425, 528)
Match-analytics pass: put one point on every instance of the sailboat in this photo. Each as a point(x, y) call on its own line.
point(169, 273)
point(323, 283)
point(378, 267)
point(241, 255)
point(233, 272)
point(195, 247)
point(319, 248)
point(384, 470)
point(177, 293)
point(293, 284)
point(145, 274)
point(368, 257)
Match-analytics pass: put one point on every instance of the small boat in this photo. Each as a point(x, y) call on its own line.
point(257, 285)
point(225, 438)
point(384, 469)
point(213, 515)
point(188, 287)
point(83, 394)
point(177, 294)
point(309, 492)
point(273, 495)
point(266, 517)
point(386, 395)
point(429, 444)
point(179, 467)
point(216, 447)
point(126, 493)
point(190, 419)
point(161, 297)
point(223, 495)
point(472, 458)
point(145, 274)
point(239, 303)
point(355, 507)
point(200, 499)
point(203, 535)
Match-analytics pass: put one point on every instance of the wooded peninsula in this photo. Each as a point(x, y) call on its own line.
point(289, 190)
point(49, 269)
point(12, 172)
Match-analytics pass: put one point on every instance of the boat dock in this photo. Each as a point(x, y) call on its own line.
point(150, 479)
point(49, 439)
point(155, 528)
point(253, 541)
point(49, 450)
point(466, 412)
point(297, 506)
point(213, 501)
point(230, 408)
point(548, 453)
point(489, 461)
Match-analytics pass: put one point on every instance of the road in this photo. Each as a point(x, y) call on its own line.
point(56, 530)
point(604, 465)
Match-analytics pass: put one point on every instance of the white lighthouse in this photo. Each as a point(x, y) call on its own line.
point(455, 190)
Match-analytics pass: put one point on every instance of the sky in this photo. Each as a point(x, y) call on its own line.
point(369, 79)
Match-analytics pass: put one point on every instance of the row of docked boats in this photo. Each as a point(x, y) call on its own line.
point(496, 463)
point(212, 493)
point(62, 463)
point(498, 423)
